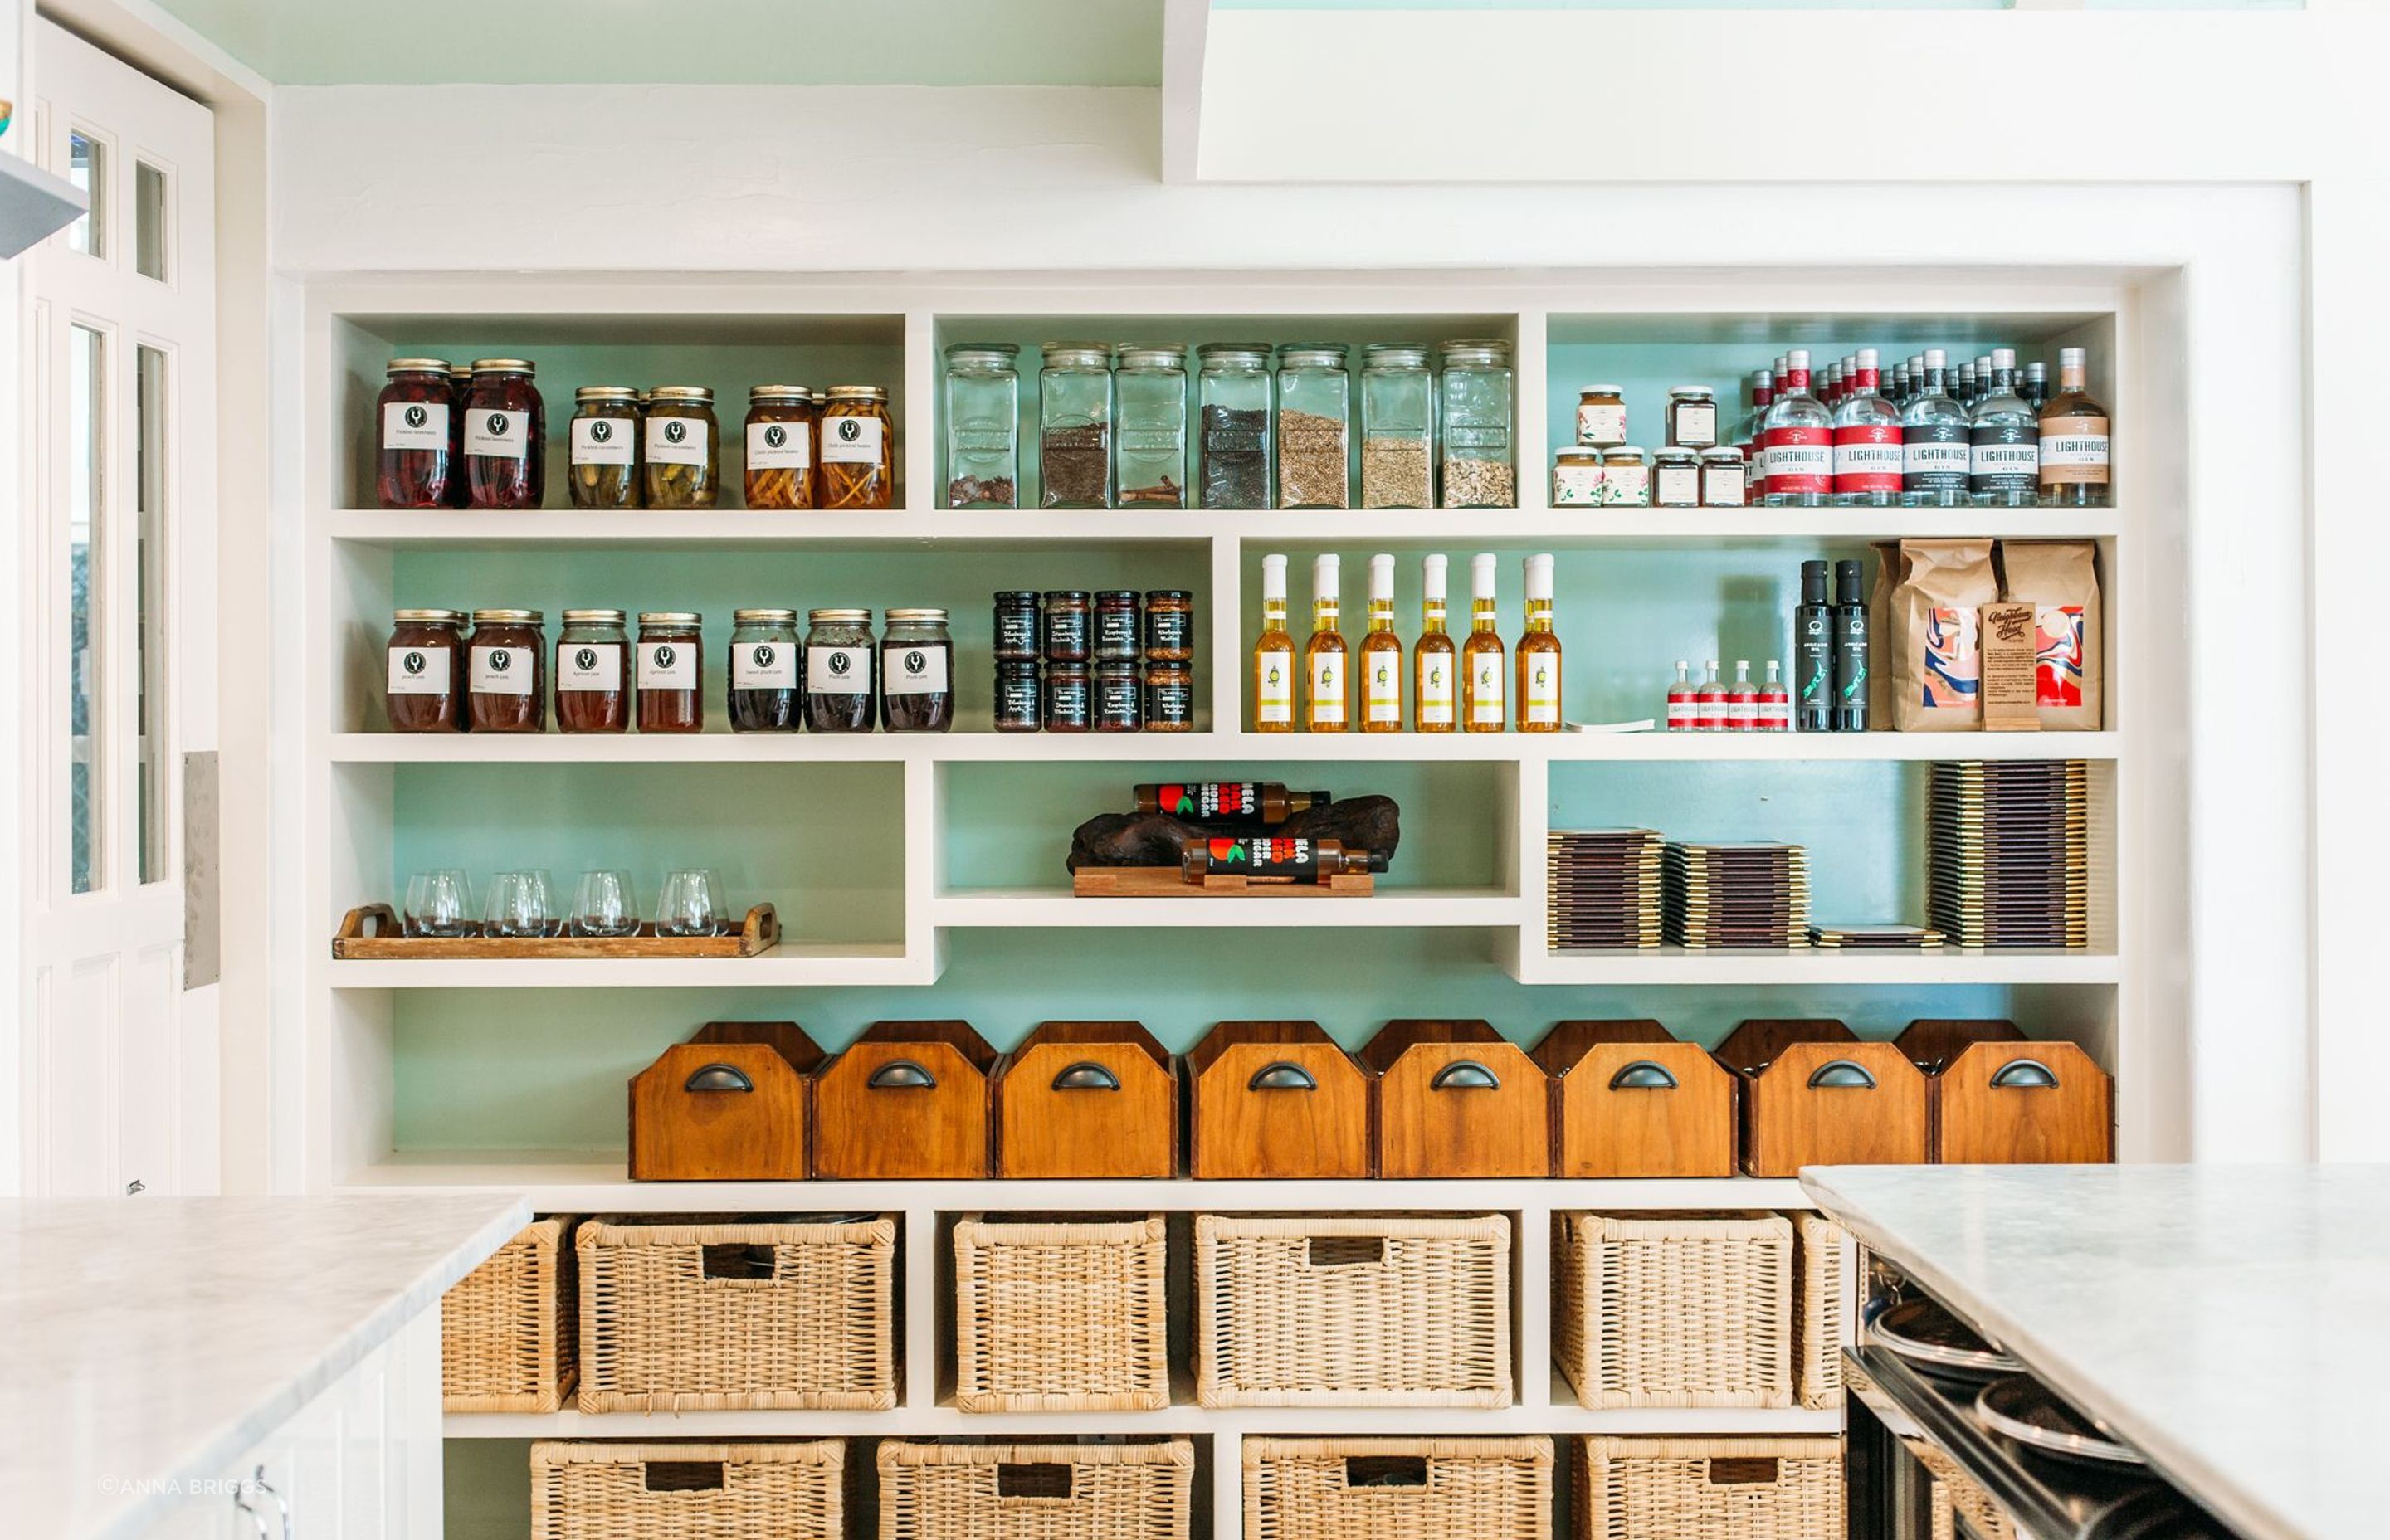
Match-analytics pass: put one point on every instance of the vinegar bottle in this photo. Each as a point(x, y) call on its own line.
point(1709, 703)
point(1539, 654)
point(1274, 655)
point(1323, 656)
point(1433, 659)
point(1481, 656)
point(1381, 655)
point(1681, 709)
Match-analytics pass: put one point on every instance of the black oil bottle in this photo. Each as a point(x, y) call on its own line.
point(1813, 653)
point(1850, 650)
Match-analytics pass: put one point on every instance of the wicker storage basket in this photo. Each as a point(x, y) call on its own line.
point(1675, 1310)
point(1398, 1489)
point(738, 1313)
point(1710, 1489)
point(687, 1490)
point(1036, 1491)
point(508, 1337)
point(1060, 1317)
point(1819, 1249)
point(1955, 1493)
point(1364, 1310)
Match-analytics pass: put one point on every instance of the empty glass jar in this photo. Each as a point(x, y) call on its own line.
point(983, 426)
point(1152, 405)
point(1074, 426)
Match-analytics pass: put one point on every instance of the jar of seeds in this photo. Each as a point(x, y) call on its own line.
point(1476, 398)
point(1233, 399)
point(1397, 427)
point(1314, 410)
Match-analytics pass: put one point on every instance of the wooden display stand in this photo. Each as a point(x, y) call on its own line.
point(906, 1099)
point(1814, 1095)
point(1170, 882)
point(728, 1105)
point(1086, 1099)
point(1996, 1098)
point(369, 933)
point(1628, 1099)
point(1457, 1098)
point(1278, 1100)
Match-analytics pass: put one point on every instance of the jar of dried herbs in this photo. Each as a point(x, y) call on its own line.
point(780, 429)
point(1315, 400)
point(1397, 428)
point(1476, 397)
point(983, 426)
point(605, 450)
point(858, 450)
point(1233, 401)
point(681, 448)
point(1151, 391)
point(1074, 426)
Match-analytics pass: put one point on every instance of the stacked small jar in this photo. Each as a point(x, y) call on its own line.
point(1603, 469)
point(1110, 662)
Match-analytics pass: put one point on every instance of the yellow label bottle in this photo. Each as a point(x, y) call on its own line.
point(1324, 654)
point(1483, 700)
point(1434, 660)
point(1539, 654)
point(1274, 655)
point(1381, 655)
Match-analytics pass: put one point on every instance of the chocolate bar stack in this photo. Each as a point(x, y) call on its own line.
point(1605, 889)
point(2008, 851)
point(1875, 938)
point(1736, 893)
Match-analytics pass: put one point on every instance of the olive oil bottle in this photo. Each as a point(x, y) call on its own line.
point(1483, 708)
point(1539, 654)
point(1274, 655)
point(1324, 659)
point(1381, 655)
point(1434, 658)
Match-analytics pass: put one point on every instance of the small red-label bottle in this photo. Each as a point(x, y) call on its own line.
point(1709, 710)
point(1742, 701)
point(1683, 716)
point(1775, 703)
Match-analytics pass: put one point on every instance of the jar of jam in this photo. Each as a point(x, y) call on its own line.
point(1064, 626)
point(780, 428)
point(418, 449)
point(1577, 478)
point(1066, 698)
point(1016, 626)
point(1120, 698)
point(916, 659)
point(605, 452)
point(1723, 483)
point(1601, 416)
point(592, 664)
point(1169, 624)
point(1626, 480)
point(671, 671)
point(426, 692)
point(505, 680)
point(1675, 478)
point(1692, 417)
point(840, 692)
point(858, 450)
point(681, 451)
point(506, 436)
point(1018, 698)
point(460, 384)
point(1169, 697)
point(765, 689)
point(1116, 625)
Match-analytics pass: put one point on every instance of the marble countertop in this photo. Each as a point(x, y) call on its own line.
point(146, 1338)
point(2231, 1322)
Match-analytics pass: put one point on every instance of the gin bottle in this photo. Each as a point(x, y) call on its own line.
point(1936, 456)
point(1866, 442)
point(1798, 437)
point(2005, 460)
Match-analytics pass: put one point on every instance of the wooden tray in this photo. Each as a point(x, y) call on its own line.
point(1169, 882)
point(365, 934)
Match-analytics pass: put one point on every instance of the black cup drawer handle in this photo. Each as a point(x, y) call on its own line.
point(1842, 1074)
point(1086, 1075)
point(1643, 1075)
point(901, 1074)
point(1465, 1075)
point(2023, 1074)
point(718, 1077)
point(1282, 1076)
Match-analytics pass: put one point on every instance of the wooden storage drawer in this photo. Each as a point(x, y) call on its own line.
point(1036, 1491)
point(791, 1491)
point(1999, 1100)
point(1631, 1101)
point(1710, 1489)
point(1278, 1100)
point(1455, 1099)
point(1814, 1095)
point(1085, 1100)
point(508, 1341)
point(904, 1100)
point(729, 1105)
point(1398, 1488)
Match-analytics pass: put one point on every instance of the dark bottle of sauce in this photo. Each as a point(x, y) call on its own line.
point(506, 681)
point(1238, 804)
point(671, 671)
point(1850, 650)
point(765, 672)
point(917, 672)
point(506, 436)
point(1813, 653)
point(592, 672)
point(419, 414)
point(840, 692)
point(1271, 859)
point(426, 689)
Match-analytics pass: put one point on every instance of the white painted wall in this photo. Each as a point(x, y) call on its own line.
point(16, 568)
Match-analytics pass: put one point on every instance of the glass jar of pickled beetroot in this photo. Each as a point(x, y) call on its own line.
point(506, 436)
point(417, 410)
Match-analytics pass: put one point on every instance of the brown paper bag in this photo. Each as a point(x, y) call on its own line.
point(2061, 580)
point(1935, 591)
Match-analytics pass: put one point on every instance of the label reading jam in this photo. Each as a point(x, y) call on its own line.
point(1867, 458)
point(1169, 703)
point(420, 671)
point(589, 667)
point(415, 425)
point(763, 666)
point(1327, 687)
point(1384, 687)
point(1934, 458)
point(1486, 689)
point(852, 441)
point(916, 670)
point(1800, 460)
point(1274, 689)
point(498, 435)
point(778, 446)
point(1543, 684)
point(1676, 486)
point(1116, 632)
point(1016, 633)
point(838, 670)
point(1435, 690)
point(677, 441)
point(2074, 451)
point(502, 671)
point(602, 440)
point(667, 666)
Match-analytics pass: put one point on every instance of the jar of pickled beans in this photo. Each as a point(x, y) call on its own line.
point(858, 450)
point(781, 425)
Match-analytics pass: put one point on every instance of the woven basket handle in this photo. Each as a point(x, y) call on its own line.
point(2025, 1074)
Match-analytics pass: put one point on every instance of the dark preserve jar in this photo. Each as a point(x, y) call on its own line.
point(1116, 625)
point(1066, 625)
point(1119, 698)
point(841, 694)
point(592, 664)
point(671, 671)
point(506, 680)
point(1016, 626)
point(1169, 625)
point(916, 671)
point(764, 676)
point(1066, 698)
point(460, 385)
point(1169, 697)
point(417, 411)
point(1018, 698)
point(506, 436)
point(426, 693)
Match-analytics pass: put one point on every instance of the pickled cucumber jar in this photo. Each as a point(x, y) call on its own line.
point(605, 452)
point(1151, 392)
point(683, 448)
point(1074, 426)
point(1314, 412)
point(983, 426)
point(1397, 428)
point(1233, 439)
point(1478, 469)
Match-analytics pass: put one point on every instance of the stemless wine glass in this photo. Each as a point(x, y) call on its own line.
point(438, 903)
point(687, 905)
point(604, 904)
point(724, 923)
point(510, 911)
point(538, 899)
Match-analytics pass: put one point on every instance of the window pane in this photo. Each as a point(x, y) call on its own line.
point(150, 617)
point(88, 169)
point(86, 410)
point(149, 221)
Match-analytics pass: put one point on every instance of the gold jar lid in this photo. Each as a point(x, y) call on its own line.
point(764, 617)
point(508, 617)
point(1577, 457)
point(418, 365)
point(697, 393)
point(593, 617)
point(838, 617)
point(779, 393)
point(502, 366)
point(428, 617)
point(1624, 454)
point(857, 393)
point(623, 393)
point(669, 617)
point(915, 617)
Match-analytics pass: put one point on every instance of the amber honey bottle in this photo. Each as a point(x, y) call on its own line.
point(1482, 705)
point(1434, 660)
point(1539, 654)
point(1381, 655)
point(1324, 656)
point(1274, 655)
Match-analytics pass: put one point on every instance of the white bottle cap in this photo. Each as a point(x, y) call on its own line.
point(1273, 577)
point(1481, 575)
point(1935, 358)
point(1742, 665)
point(2004, 358)
point(1867, 358)
point(1713, 665)
point(2070, 358)
point(1796, 359)
point(1539, 577)
point(1381, 577)
point(1323, 577)
point(1432, 571)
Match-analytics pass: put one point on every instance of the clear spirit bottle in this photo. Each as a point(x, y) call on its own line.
point(1682, 709)
point(1866, 442)
point(2005, 460)
point(1709, 702)
point(1935, 439)
point(1742, 701)
point(1798, 434)
point(1747, 438)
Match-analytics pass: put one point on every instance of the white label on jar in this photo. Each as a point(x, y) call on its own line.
point(779, 447)
point(838, 670)
point(1627, 485)
point(415, 425)
point(1678, 486)
point(1601, 425)
point(667, 666)
point(916, 670)
point(763, 666)
point(852, 441)
point(1327, 686)
point(502, 671)
point(1486, 689)
point(1274, 698)
point(602, 440)
point(420, 671)
point(1436, 691)
point(1696, 426)
point(589, 667)
point(676, 440)
point(1577, 485)
point(1384, 687)
point(498, 435)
